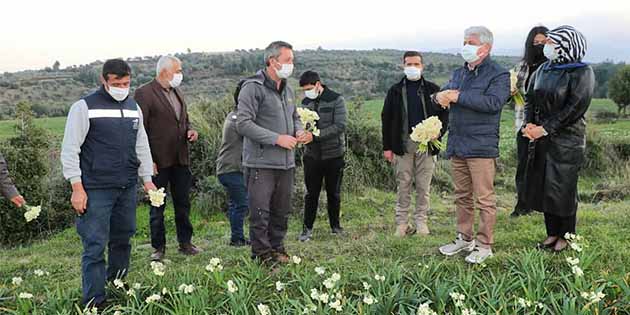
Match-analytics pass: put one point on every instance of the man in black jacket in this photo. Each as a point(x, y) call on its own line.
point(407, 104)
point(323, 158)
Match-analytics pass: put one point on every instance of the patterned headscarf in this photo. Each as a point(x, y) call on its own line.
point(571, 44)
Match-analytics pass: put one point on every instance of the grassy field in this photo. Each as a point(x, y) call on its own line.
point(518, 280)
point(54, 125)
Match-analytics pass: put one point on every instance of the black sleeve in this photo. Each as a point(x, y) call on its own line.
point(386, 122)
point(577, 101)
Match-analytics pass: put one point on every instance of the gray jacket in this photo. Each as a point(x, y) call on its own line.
point(7, 188)
point(231, 151)
point(332, 123)
point(264, 113)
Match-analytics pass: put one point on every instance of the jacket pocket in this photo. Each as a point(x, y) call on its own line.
point(107, 162)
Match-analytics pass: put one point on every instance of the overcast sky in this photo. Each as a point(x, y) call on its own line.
point(36, 33)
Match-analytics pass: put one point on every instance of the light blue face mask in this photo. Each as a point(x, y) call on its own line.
point(469, 53)
point(550, 52)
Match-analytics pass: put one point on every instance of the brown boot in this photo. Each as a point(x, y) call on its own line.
point(281, 257)
point(189, 249)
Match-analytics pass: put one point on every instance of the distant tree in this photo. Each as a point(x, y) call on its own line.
point(619, 89)
point(56, 65)
point(188, 50)
point(603, 73)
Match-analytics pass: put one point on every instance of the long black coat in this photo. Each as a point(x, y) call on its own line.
point(557, 99)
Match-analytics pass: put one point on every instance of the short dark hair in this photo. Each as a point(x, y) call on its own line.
point(273, 50)
point(118, 67)
point(412, 53)
point(309, 77)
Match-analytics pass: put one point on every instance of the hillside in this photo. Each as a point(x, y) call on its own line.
point(367, 74)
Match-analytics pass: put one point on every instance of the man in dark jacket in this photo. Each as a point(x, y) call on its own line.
point(475, 95)
point(408, 103)
point(169, 132)
point(324, 157)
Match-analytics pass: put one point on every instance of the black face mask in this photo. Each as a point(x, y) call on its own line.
point(537, 53)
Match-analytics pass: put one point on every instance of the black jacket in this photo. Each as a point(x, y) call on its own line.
point(557, 99)
point(394, 114)
point(332, 123)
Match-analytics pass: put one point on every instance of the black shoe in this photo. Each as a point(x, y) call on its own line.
point(520, 212)
point(240, 243)
point(189, 249)
point(307, 235)
point(542, 246)
point(158, 254)
point(337, 230)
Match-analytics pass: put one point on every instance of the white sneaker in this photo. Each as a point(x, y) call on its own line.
point(478, 255)
point(458, 245)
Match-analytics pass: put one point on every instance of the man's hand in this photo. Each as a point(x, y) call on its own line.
point(286, 141)
point(192, 135)
point(442, 99)
point(304, 137)
point(389, 156)
point(149, 186)
point(155, 169)
point(79, 198)
point(18, 201)
point(452, 96)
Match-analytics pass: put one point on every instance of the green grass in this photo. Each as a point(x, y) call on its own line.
point(54, 125)
point(414, 272)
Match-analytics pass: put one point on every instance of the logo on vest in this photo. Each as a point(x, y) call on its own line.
point(135, 124)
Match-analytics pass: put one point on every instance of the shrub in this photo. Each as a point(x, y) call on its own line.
point(35, 172)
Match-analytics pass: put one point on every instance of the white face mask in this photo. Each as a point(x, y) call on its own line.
point(285, 71)
point(550, 52)
point(312, 93)
point(413, 73)
point(469, 53)
point(177, 80)
point(118, 94)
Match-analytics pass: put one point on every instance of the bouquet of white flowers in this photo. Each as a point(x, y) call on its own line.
point(308, 119)
point(426, 134)
point(32, 212)
point(157, 197)
point(517, 96)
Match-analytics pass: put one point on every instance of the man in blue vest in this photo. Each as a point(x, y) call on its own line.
point(105, 149)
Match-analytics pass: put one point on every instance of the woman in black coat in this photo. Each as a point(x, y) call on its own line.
point(557, 99)
point(532, 59)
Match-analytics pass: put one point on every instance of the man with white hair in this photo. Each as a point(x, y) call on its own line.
point(167, 125)
point(475, 96)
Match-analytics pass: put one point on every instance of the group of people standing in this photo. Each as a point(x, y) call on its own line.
point(112, 140)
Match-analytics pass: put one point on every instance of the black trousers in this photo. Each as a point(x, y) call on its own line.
point(269, 198)
point(558, 226)
point(331, 173)
point(180, 180)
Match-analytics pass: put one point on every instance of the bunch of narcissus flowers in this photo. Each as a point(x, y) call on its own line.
point(517, 96)
point(157, 197)
point(426, 134)
point(308, 119)
point(32, 212)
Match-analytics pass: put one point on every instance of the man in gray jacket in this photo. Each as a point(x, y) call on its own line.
point(269, 123)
